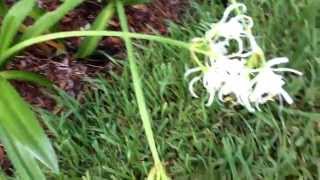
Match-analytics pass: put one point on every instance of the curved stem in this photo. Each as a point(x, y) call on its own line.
point(61, 35)
point(137, 84)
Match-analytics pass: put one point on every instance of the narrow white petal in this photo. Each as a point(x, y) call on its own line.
point(240, 45)
point(246, 19)
point(253, 43)
point(257, 106)
point(250, 20)
point(245, 102)
point(231, 8)
point(191, 84)
point(190, 71)
point(249, 108)
point(220, 95)
point(211, 98)
point(288, 70)
point(286, 96)
point(276, 61)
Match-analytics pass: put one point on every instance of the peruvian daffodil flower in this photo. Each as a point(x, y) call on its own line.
point(268, 84)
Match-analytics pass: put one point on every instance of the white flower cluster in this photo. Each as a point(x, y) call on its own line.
point(235, 66)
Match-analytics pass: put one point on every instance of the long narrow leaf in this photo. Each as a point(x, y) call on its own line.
point(26, 166)
point(89, 44)
point(26, 76)
point(50, 19)
point(17, 118)
point(13, 21)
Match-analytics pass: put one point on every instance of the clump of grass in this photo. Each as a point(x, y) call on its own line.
point(103, 136)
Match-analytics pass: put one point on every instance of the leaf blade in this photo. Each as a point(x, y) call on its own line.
point(18, 119)
point(89, 44)
point(12, 22)
point(50, 19)
point(25, 165)
point(26, 76)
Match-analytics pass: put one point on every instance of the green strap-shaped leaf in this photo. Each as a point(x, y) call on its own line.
point(19, 120)
point(89, 44)
point(13, 21)
point(26, 166)
point(26, 76)
point(48, 20)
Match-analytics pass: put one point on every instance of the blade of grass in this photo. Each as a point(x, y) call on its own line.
point(17, 118)
point(89, 44)
point(50, 19)
point(26, 76)
point(12, 22)
point(26, 166)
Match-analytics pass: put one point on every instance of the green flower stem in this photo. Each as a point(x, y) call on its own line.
point(60, 35)
point(145, 116)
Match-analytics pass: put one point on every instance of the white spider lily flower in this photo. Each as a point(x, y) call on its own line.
point(237, 83)
point(224, 77)
point(214, 78)
point(242, 75)
point(268, 84)
point(230, 29)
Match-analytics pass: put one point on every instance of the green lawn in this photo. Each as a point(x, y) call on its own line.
point(103, 137)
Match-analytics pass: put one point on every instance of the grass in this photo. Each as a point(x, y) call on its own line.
point(103, 138)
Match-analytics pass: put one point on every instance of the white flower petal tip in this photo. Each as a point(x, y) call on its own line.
point(210, 100)
point(231, 8)
point(286, 97)
point(288, 70)
point(191, 71)
point(277, 61)
point(191, 85)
